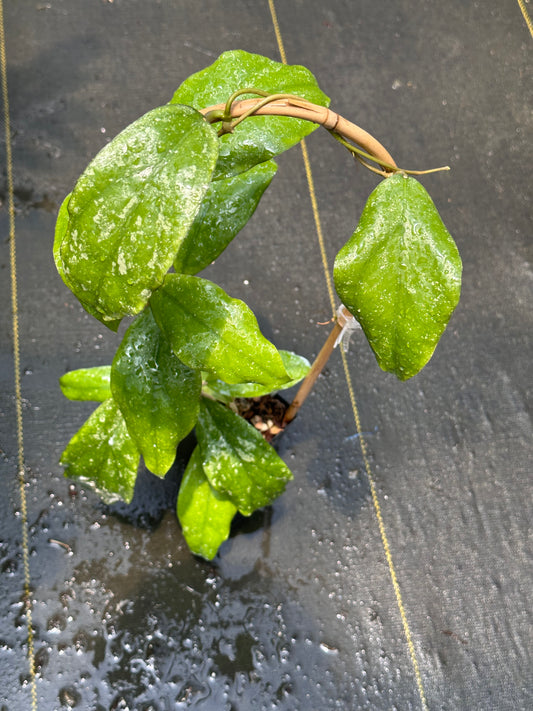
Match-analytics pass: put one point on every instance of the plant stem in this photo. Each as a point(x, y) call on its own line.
point(361, 155)
point(343, 317)
point(240, 92)
point(288, 105)
point(302, 109)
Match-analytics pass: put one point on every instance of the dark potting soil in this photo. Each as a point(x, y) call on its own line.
point(265, 413)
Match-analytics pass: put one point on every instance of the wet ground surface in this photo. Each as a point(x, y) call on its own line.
point(298, 611)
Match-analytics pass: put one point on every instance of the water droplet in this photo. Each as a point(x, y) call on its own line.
point(69, 697)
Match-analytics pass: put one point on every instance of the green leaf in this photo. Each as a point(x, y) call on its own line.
point(296, 366)
point(132, 207)
point(158, 395)
point(237, 460)
point(400, 275)
point(61, 232)
point(103, 455)
point(87, 383)
point(204, 513)
point(210, 331)
point(226, 208)
point(259, 138)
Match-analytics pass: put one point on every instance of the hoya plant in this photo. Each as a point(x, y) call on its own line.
point(162, 201)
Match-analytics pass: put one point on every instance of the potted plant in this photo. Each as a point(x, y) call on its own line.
point(158, 204)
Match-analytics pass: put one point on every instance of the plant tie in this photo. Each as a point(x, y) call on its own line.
point(348, 324)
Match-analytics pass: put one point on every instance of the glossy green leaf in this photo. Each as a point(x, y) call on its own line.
point(204, 513)
point(296, 366)
point(158, 395)
point(87, 383)
point(103, 455)
point(227, 206)
point(400, 275)
point(262, 137)
point(61, 232)
point(237, 460)
point(210, 331)
point(131, 208)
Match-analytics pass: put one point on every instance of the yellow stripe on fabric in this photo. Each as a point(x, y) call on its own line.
point(21, 474)
point(527, 18)
point(318, 226)
point(355, 409)
point(383, 534)
point(279, 38)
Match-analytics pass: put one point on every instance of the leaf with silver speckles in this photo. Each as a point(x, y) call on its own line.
point(237, 460)
point(205, 514)
point(103, 455)
point(158, 395)
point(226, 208)
point(262, 137)
point(400, 275)
point(119, 231)
point(209, 330)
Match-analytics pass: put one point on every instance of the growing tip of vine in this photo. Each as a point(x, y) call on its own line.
point(424, 172)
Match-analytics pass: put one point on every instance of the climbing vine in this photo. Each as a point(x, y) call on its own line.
point(158, 204)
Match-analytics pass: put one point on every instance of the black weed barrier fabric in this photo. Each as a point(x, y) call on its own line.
point(299, 610)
